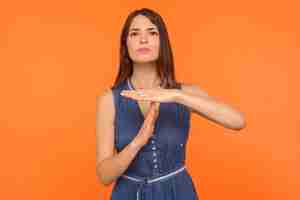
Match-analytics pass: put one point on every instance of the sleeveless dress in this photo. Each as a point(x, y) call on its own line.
point(163, 154)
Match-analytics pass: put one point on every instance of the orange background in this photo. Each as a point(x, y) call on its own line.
point(56, 56)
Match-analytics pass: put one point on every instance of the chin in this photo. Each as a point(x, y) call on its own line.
point(145, 60)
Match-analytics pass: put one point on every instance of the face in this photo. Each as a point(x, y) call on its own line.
point(143, 40)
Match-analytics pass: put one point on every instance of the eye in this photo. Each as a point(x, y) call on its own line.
point(154, 33)
point(133, 33)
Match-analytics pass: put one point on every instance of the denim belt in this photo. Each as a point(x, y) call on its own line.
point(145, 180)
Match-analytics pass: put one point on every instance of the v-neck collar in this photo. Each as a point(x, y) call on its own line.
point(131, 87)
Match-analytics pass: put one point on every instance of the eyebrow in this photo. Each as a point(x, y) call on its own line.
point(137, 29)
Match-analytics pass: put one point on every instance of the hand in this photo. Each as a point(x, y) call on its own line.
point(156, 94)
point(147, 128)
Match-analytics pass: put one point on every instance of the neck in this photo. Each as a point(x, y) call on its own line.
point(145, 76)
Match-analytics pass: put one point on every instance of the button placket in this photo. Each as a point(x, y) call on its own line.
point(154, 154)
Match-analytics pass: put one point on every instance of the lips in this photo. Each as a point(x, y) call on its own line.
point(143, 50)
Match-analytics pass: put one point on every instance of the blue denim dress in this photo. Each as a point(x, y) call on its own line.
point(158, 170)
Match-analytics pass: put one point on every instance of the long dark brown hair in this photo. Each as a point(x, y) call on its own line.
point(164, 63)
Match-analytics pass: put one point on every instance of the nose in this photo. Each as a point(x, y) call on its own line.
point(143, 38)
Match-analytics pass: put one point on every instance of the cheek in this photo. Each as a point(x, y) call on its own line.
point(130, 46)
point(156, 44)
point(157, 47)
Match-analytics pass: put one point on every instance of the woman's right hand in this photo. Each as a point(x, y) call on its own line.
point(147, 128)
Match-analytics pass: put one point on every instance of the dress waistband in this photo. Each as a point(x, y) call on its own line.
point(146, 180)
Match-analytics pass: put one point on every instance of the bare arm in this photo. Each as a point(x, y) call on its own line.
point(110, 164)
point(201, 103)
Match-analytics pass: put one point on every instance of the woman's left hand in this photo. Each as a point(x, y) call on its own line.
point(155, 94)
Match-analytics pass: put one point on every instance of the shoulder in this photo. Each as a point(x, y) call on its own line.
point(104, 101)
point(105, 96)
point(193, 88)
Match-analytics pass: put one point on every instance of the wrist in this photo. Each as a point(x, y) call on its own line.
point(178, 95)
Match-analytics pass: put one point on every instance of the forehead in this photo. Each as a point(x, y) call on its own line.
point(141, 22)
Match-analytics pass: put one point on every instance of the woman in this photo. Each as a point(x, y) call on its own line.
point(143, 120)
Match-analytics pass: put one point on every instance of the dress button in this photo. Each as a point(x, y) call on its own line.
point(154, 154)
point(155, 166)
point(181, 144)
point(153, 148)
point(152, 141)
point(155, 160)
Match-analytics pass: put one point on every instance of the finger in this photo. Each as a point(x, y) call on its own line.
point(152, 104)
point(153, 112)
point(151, 117)
point(154, 117)
point(152, 107)
point(133, 95)
point(157, 106)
